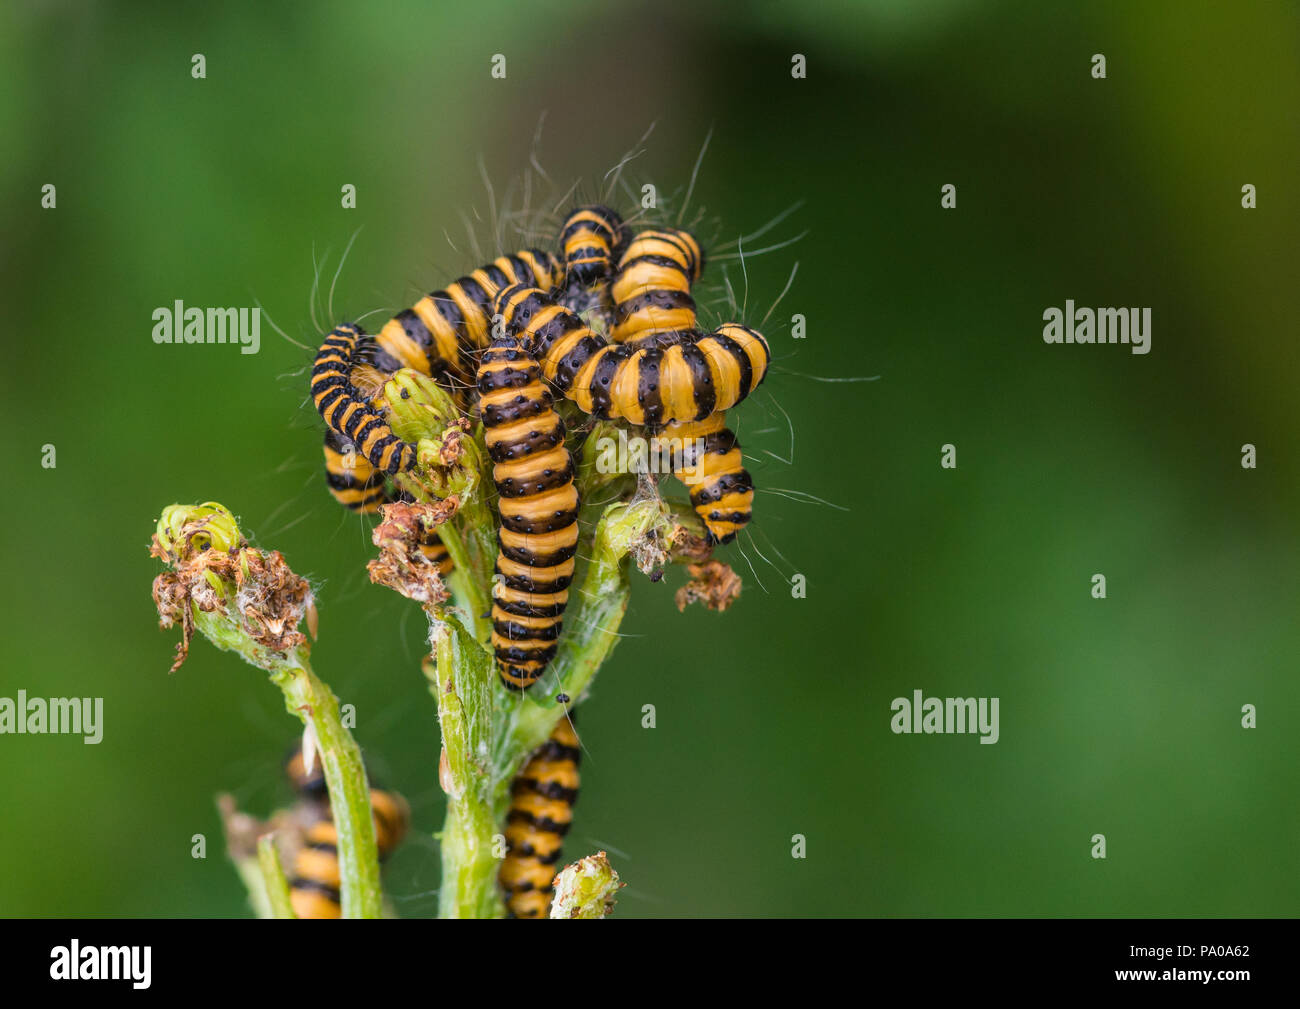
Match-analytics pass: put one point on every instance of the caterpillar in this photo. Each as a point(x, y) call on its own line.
point(436, 337)
point(346, 411)
point(314, 886)
point(722, 492)
point(358, 486)
point(541, 809)
point(652, 289)
point(687, 380)
point(590, 238)
point(353, 482)
point(432, 337)
point(538, 504)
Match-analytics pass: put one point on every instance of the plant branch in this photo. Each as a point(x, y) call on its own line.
point(250, 602)
point(272, 872)
point(345, 775)
point(461, 676)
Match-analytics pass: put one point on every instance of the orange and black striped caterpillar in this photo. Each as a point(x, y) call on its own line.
point(658, 372)
point(314, 884)
point(679, 383)
point(679, 378)
point(541, 809)
point(652, 288)
point(434, 337)
point(441, 332)
point(538, 505)
point(653, 307)
point(437, 337)
point(591, 239)
point(347, 411)
point(359, 487)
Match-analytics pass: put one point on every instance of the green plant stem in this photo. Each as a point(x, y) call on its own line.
point(250, 871)
point(467, 585)
point(461, 679)
point(345, 775)
point(486, 735)
point(273, 880)
point(315, 705)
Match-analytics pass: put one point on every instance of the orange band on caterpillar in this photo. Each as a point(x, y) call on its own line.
point(652, 289)
point(541, 810)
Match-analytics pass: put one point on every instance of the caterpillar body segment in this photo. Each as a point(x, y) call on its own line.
point(439, 333)
point(689, 379)
point(353, 482)
point(538, 504)
point(738, 359)
point(710, 466)
point(652, 289)
point(591, 239)
point(346, 412)
point(541, 809)
point(437, 337)
point(392, 820)
point(359, 487)
point(315, 884)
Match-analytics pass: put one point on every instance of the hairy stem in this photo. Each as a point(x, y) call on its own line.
point(467, 588)
point(460, 678)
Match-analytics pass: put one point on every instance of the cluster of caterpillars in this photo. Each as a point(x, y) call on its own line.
point(646, 363)
point(608, 323)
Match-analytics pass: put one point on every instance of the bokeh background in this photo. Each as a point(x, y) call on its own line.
point(1119, 716)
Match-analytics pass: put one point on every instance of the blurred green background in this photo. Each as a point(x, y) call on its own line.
point(1119, 716)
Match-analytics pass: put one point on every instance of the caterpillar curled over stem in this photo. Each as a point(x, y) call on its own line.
point(359, 487)
point(439, 334)
point(438, 337)
point(347, 412)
